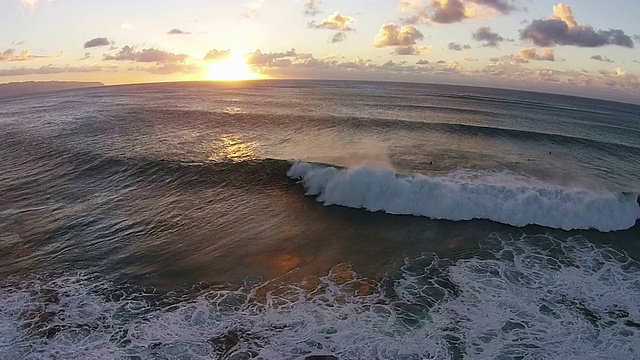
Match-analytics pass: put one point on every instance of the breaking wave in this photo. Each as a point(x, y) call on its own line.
point(464, 195)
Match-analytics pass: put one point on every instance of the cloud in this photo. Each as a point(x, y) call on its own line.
point(86, 56)
point(338, 37)
point(335, 21)
point(392, 65)
point(470, 59)
point(448, 11)
point(151, 55)
point(171, 68)
point(260, 59)
point(31, 4)
point(451, 11)
point(97, 42)
point(290, 60)
point(412, 50)
point(395, 35)
point(491, 39)
point(50, 69)
point(547, 75)
point(602, 58)
point(292, 64)
point(217, 55)
point(619, 84)
point(252, 8)
point(458, 47)
point(177, 32)
point(403, 38)
point(357, 64)
point(454, 65)
point(10, 55)
point(563, 29)
point(524, 56)
point(564, 13)
point(532, 54)
point(311, 7)
point(501, 6)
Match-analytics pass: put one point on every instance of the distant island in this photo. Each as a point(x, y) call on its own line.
point(30, 87)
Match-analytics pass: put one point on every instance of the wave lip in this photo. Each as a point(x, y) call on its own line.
point(501, 197)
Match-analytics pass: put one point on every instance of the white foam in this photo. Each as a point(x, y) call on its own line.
point(574, 295)
point(539, 298)
point(464, 195)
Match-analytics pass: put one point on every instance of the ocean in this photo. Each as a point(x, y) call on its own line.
point(318, 220)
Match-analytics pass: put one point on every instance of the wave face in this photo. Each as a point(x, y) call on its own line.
point(464, 195)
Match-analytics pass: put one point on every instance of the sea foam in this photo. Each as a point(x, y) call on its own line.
point(577, 301)
point(464, 195)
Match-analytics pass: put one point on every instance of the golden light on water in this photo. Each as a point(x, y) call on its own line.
point(234, 68)
point(235, 148)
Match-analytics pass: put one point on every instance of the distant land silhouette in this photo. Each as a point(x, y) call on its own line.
point(30, 87)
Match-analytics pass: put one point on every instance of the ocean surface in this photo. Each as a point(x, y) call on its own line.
point(293, 219)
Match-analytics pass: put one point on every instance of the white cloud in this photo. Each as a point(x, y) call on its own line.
point(11, 55)
point(31, 4)
point(335, 21)
point(395, 35)
point(253, 8)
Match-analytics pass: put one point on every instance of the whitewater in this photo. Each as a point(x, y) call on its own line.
point(463, 195)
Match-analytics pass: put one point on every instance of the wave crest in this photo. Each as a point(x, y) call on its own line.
point(502, 197)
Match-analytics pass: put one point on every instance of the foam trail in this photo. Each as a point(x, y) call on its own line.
point(464, 195)
point(578, 301)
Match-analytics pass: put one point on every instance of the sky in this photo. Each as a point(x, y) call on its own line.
point(579, 47)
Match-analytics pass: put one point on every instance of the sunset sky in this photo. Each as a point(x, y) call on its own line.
point(586, 47)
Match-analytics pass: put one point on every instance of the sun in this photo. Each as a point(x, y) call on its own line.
point(234, 68)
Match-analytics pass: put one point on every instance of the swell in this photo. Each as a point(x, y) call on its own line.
point(522, 99)
point(525, 135)
point(208, 120)
point(496, 132)
point(264, 173)
point(364, 123)
point(378, 124)
point(32, 166)
point(47, 174)
point(439, 109)
point(86, 210)
point(464, 195)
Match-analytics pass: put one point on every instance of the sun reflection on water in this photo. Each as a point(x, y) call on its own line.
point(235, 148)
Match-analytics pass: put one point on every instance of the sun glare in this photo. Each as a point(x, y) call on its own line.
point(234, 68)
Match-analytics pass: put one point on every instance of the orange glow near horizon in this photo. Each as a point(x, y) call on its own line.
point(234, 68)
